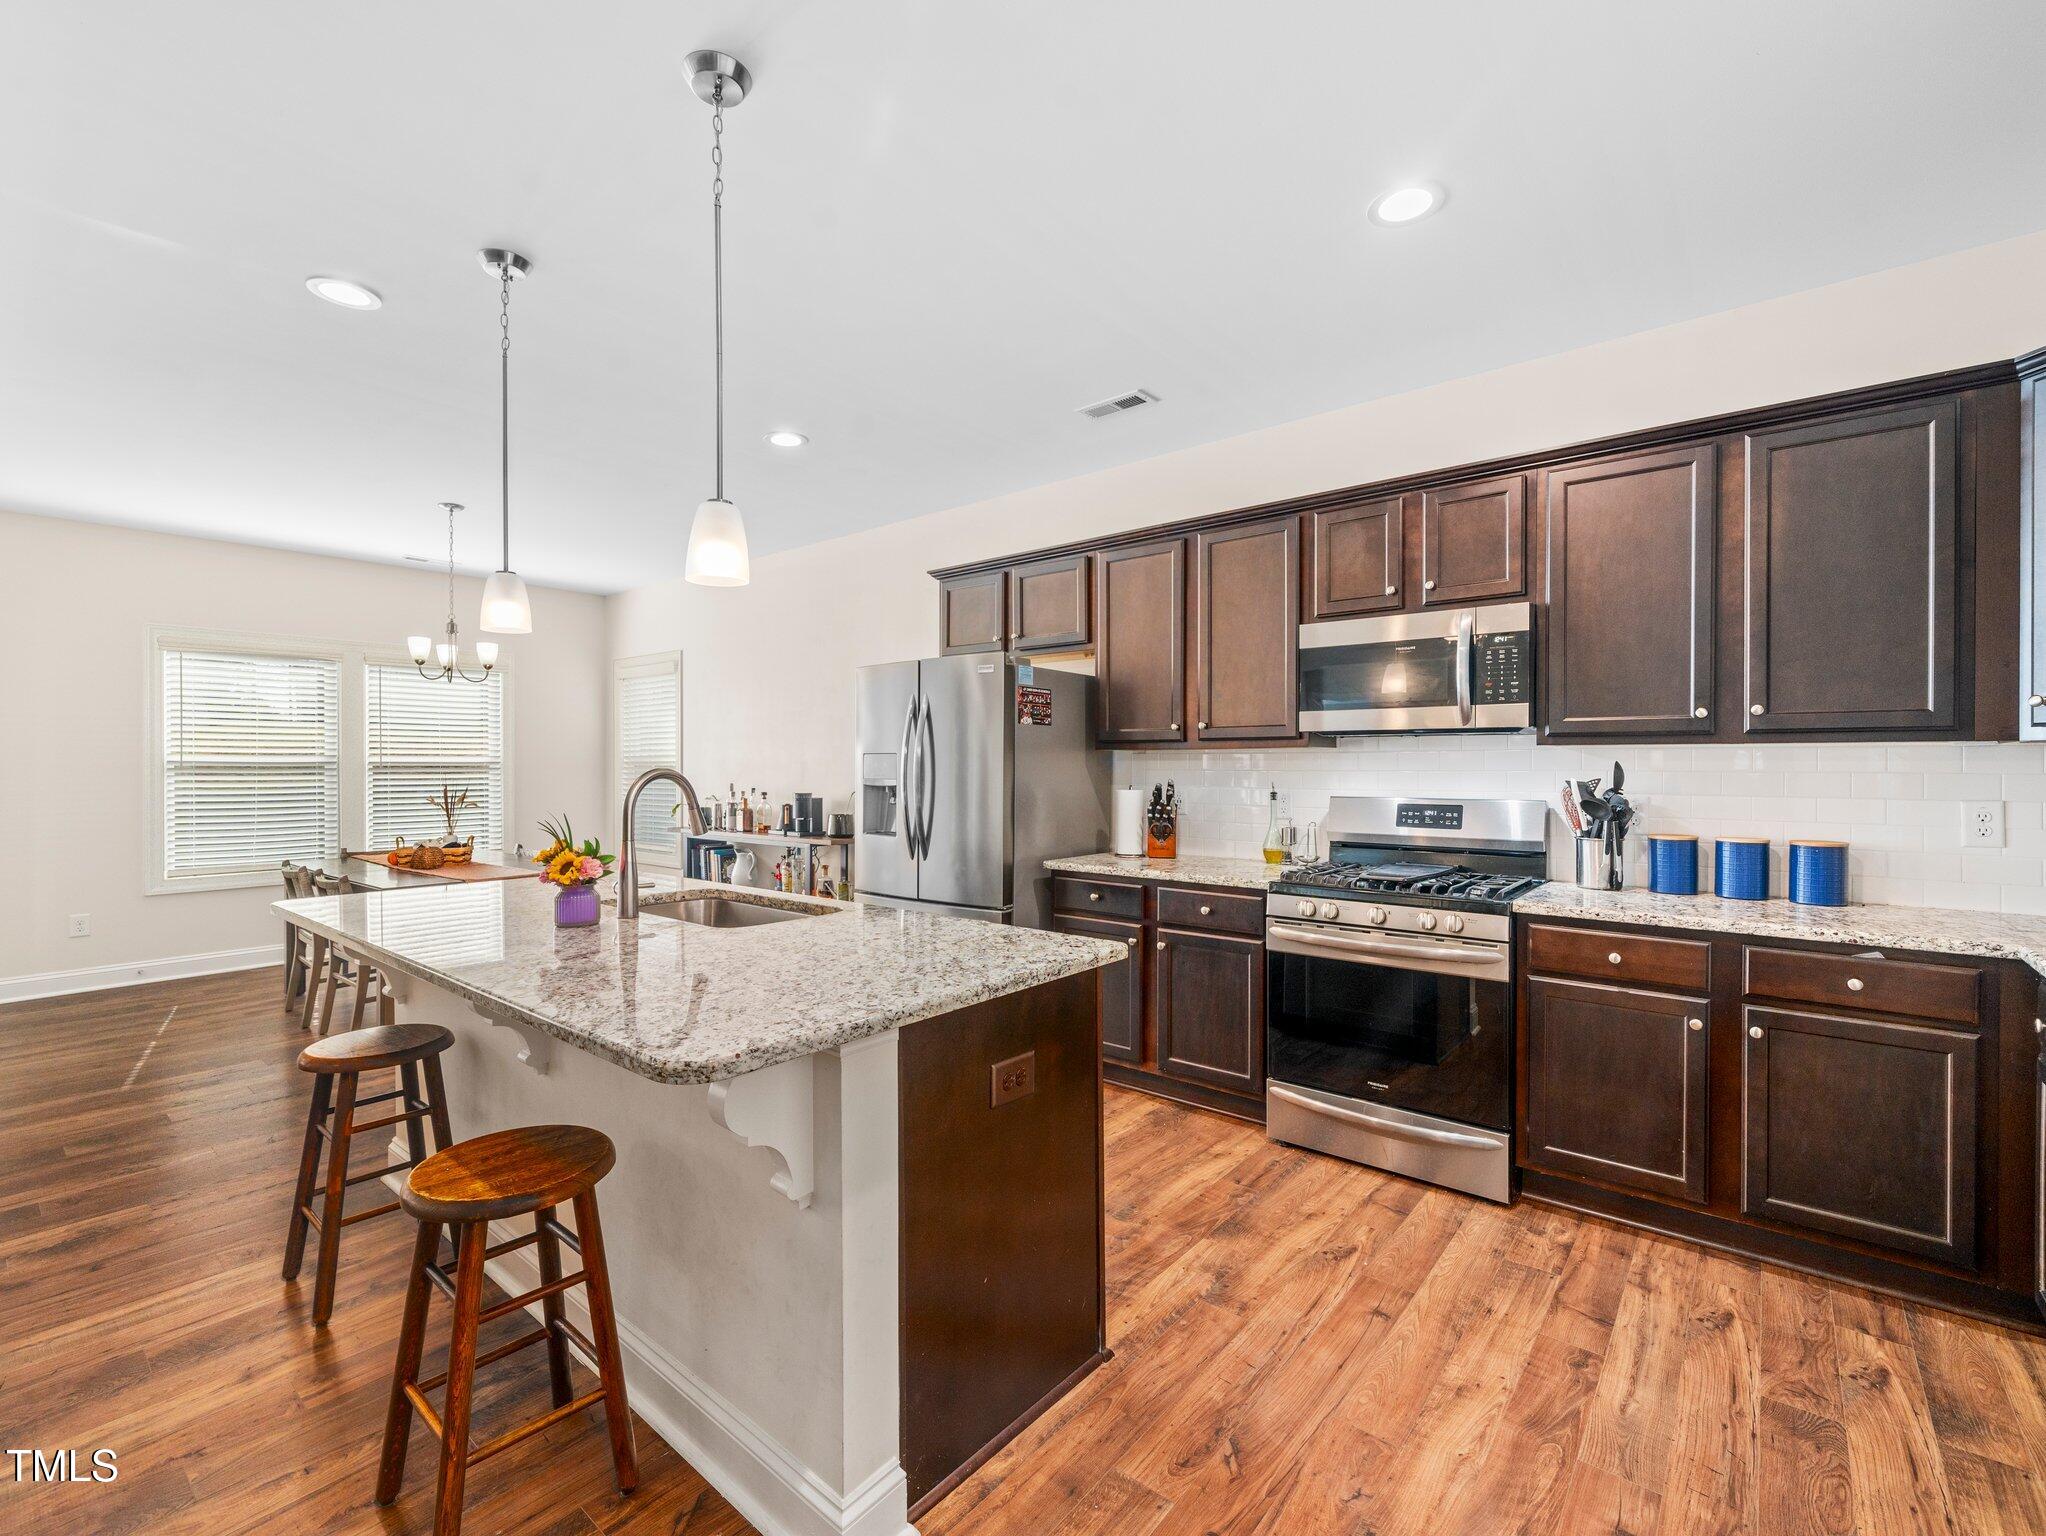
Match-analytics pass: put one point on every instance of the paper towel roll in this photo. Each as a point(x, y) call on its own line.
point(1129, 820)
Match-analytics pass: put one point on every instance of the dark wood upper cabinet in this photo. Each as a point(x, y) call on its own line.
point(1246, 623)
point(1616, 1086)
point(1852, 549)
point(973, 613)
point(1140, 642)
point(1356, 558)
point(1051, 604)
point(1122, 986)
point(1863, 1128)
point(2032, 492)
point(1630, 550)
point(1210, 997)
point(1474, 541)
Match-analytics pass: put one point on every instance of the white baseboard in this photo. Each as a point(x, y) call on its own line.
point(97, 978)
point(760, 1477)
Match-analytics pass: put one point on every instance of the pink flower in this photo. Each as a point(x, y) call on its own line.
point(592, 869)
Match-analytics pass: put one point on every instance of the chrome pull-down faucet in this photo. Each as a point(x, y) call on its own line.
point(628, 858)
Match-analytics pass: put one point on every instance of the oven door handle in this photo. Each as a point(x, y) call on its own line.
point(1294, 939)
point(1380, 1127)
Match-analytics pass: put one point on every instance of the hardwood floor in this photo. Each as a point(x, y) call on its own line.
point(1301, 1346)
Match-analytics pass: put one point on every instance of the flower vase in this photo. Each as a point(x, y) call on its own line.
point(575, 906)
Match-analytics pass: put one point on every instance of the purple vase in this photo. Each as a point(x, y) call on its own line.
point(575, 906)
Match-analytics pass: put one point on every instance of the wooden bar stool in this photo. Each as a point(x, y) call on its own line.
point(337, 1062)
point(528, 1171)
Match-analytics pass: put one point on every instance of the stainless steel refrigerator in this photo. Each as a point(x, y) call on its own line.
point(971, 772)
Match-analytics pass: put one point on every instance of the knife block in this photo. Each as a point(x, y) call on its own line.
point(1165, 847)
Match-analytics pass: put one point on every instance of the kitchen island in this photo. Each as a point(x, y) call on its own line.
point(855, 1228)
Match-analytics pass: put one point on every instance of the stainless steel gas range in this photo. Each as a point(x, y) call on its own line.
point(1389, 987)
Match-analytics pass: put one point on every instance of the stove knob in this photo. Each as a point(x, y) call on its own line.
point(1377, 915)
point(1428, 920)
point(1453, 923)
point(1304, 908)
point(1330, 910)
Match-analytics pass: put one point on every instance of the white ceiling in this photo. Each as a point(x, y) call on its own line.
point(948, 225)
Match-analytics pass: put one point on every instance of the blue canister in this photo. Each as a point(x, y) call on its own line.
point(1740, 870)
point(1673, 864)
point(1818, 873)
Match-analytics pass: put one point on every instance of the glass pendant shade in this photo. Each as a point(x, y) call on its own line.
point(486, 652)
point(444, 654)
point(420, 647)
point(506, 610)
point(717, 547)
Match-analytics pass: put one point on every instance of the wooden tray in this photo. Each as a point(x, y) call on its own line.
point(456, 871)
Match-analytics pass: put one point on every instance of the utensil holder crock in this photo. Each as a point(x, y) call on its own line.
point(1600, 869)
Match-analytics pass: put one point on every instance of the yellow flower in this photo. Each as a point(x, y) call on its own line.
point(565, 868)
point(547, 855)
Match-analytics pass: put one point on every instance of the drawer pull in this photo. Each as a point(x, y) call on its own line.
point(1207, 911)
point(1428, 585)
point(1614, 957)
point(1093, 895)
point(1696, 1023)
point(1754, 709)
point(1754, 1031)
point(1854, 983)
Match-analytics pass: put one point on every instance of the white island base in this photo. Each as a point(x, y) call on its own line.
point(754, 1231)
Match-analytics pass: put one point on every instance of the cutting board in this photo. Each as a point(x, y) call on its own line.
point(456, 871)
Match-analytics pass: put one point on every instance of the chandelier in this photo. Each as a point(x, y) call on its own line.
point(448, 653)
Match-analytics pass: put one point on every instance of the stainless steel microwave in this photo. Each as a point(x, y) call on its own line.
point(1450, 669)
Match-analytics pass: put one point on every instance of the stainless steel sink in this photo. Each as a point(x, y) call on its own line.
point(713, 911)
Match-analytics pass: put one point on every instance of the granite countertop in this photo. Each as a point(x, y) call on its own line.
point(1190, 868)
point(1933, 930)
point(681, 1003)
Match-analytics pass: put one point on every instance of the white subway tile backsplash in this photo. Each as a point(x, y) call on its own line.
point(1897, 806)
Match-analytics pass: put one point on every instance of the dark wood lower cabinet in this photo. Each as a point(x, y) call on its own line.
point(1862, 1127)
point(1616, 1085)
point(1873, 1117)
point(1122, 986)
point(1210, 1001)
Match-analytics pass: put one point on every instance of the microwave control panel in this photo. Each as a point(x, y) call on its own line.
point(1505, 675)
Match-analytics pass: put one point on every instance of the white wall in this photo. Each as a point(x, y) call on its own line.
point(768, 668)
point(80, 599)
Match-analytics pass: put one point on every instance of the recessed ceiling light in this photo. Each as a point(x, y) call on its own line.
point(1403, 205)
point(338, 290)
point(787, 439)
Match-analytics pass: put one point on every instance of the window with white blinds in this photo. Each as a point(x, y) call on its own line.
point(647, 718)
point(422, 735)
point(251, 761)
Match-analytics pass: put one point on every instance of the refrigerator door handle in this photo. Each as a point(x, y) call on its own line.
point(905, 775)
point(927, 774)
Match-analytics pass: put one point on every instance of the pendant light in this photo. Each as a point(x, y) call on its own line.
point(506, 609)
point(717, 538)
point(448, 653)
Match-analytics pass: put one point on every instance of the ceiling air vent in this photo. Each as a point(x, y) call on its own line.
point(1119, 403)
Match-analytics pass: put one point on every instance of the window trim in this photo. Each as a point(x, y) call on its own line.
point(352, 658)
point(623, 667)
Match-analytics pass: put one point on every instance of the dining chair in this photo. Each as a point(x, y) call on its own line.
point(299, 970)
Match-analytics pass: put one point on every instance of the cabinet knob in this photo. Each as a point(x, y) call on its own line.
point(1201, 725)
point(1754, 1031)
point(1161, 943)
point(1131, 942)
point(1093, 895)
point(1205, 911)
point(1614, 957)
point(2039, 1026)
point(1695, 1023)
point(2036, 700)
point(1428, 585)
point(1754, 709)
point(1698, 713)
point(1390, 590)
point(1854, 983)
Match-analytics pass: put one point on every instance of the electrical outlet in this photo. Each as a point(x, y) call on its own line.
point(1982, 823)
point(81, 925)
